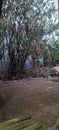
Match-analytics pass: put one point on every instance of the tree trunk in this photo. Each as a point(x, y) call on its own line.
point(1, 7)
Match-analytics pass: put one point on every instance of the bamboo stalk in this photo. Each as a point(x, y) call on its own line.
point(17, 125)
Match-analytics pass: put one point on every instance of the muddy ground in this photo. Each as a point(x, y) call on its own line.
point(35, 96)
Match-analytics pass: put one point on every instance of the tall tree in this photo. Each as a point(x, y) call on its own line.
point(23, 24)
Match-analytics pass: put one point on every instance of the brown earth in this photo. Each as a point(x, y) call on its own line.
point(38, 97)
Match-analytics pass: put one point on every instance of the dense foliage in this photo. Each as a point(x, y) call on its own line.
point(21, 26)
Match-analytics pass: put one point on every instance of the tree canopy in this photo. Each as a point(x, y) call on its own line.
point(23, 24)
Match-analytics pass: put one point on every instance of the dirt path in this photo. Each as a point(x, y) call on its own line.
point(37, 97)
